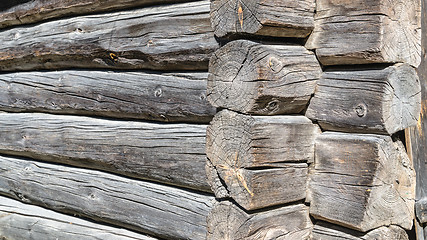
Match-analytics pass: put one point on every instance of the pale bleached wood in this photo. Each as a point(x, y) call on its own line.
point(169, 153)
point(159, 210)
point(363, 32)
point(267, 18)
point(25, 221)
point(259, 161)
point(168, 97)
point(254, 78)
point(327, 231)
point(227, 221)
point(381, 101)
point(13, 13)
point(362, 181)
point(169, 37)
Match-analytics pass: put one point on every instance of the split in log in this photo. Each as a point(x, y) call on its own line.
point(168, 37)
point(17, 12)
point(267, 18)
point(363, 32)
point(249, 77)
point(327, 231)
point(154, 209)
point(170, 97)
point(259, 161)
point(381, 101)
point(227, 221)
point(362, 182)
point(169, 153)
point(24, 221)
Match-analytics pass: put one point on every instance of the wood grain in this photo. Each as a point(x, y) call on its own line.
point(364, 32)
point(169, 37)
point(254, 78)
point(169, 153)
point(25, 221)
point(227, 221)
point(259, 161)
point(267, 18)
point(381, 101)
point(154, 209)
point(362, 181)
point(166, 97)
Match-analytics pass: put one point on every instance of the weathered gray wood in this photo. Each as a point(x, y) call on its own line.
point(227, 221)
point(169, 153)
point(259, 161)
point(24, 221)
point(170, 97)
point(167, 37)
point(421, 208)
point(268, 18)
point(380, 101)
point(155, 209)
point(362, 181)
point(249, 77)
point(327, 231)
point(19, 12)
point(367, 31)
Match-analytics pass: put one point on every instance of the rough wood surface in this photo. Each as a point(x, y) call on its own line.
point(227, 221)
point(249, 77)
point(421, 207)
point(169, 97)
point(17, 12)
point(380, 101)
point(155, 209)
point(363, 32)
point(268, 17)
point(169, 37)
point(259, 161)
point(169, 153)
point(24, 221)
point(362, 181)
point(327, 231)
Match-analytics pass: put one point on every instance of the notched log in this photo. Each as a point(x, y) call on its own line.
point(227, 221)
point(249, 77)
point(381, 101)
point(362, 182)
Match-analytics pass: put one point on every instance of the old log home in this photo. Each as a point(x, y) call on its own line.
point(213, 119)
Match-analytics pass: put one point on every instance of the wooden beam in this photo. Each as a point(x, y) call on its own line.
point(169, 153)
point(166, 97)
point(253, 78)
point(259, 161)
point(18, 12)
point(25, 221)
point(268, 18)
point(421, 209)
point(154, 209)
point(171, 37)
point(364, 32)
point(362, 182)
point(227, 221)
point(381, 101)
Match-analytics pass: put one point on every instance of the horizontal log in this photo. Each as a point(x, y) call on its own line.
point(253, 78)
point(154, 209)
point(267, 18)
point(361, 32)
point(362, 182)
point(249, 158)
point(421, 209)
point(169, 153)
point(24, 221)
point(169, 97)
point(381, 101)
point(227, 221)
point(327, 231)
point(17, 12)
point(169, 37)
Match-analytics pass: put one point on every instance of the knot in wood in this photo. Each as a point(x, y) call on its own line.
point(361, 110)
point(158, 92)
point(274, 64)
point(272, 105)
